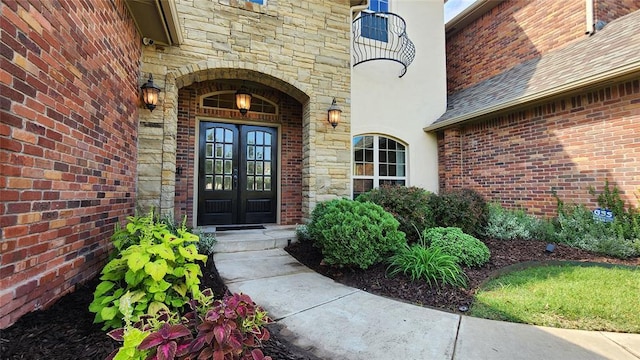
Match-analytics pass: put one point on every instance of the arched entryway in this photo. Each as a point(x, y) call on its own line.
point(233, 168)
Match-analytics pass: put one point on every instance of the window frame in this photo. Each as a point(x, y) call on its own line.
point(376, 177)
point(377, 21)
point(258, 2)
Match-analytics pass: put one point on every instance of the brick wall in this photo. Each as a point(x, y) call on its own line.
point(68, 103)
point(565, 145)
point(290, 120)
point(519, 30)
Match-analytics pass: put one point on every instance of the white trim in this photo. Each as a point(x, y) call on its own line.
point(376, 162)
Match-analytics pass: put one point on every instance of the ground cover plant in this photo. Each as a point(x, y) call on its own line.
point(567, 296)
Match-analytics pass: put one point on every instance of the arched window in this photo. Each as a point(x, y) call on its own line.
point(377, 160)
point(227, 100)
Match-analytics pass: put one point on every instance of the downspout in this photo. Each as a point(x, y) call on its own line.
point(590, 27)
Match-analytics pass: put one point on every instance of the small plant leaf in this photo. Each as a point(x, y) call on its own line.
point(137, 260)
point(162, 250)
point(157, 269)
point(102, 288)
point(108, 313)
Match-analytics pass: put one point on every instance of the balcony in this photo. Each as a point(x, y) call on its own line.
point(382, 36)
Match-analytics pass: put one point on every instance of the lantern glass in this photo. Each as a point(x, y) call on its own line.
point(150, 93)
point(333, 114)
point(243, 101)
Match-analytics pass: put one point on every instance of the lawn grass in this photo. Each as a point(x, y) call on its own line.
point(567, 296)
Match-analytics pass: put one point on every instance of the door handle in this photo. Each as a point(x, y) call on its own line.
point(235, 178)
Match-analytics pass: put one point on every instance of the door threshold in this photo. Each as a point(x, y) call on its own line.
point(239, 227)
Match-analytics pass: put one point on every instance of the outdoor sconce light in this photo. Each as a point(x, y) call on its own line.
point(150, 93)
point(333, 114)
point(243, 100)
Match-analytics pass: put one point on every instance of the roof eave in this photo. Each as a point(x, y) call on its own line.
point(590, 81)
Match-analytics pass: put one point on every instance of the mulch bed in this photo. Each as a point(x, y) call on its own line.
point(65, 330)
point(449, 298)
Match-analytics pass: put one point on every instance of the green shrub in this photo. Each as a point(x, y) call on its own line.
point(429, 264)
point(158, 270)
point(505, 224)
point(302, 233)
point(352, 233)
point(462, 208)
point(468, 250)
point(626, 218)
point(577, 228)
point(409, 205)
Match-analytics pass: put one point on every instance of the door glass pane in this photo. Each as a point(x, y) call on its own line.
point(218, 166)
point(208, 182)
point(259, 168)
point(251, 138)
point(267, 139)
point(249, 182)
point(259, 152)
point(250, 168)
point(228, 151)
point(219, 150)
point(259, 183)
point(259, 137)
point(208, 166)
point(267, 167)
point(209, 151)
point(228, 184)
point(219, 135)
point(228, 165)
point(267, 152)
point(228, 136)
point(267, 183)
point(251, 152)
point(218, 184)
point(210, 134)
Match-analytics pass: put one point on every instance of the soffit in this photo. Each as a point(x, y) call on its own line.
point(157, 20)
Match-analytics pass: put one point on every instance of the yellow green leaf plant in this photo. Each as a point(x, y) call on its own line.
point(158, 267)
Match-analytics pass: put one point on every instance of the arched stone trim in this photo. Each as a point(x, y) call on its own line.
point(216, 70)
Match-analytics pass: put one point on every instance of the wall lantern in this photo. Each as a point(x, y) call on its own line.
point(243, 100)
point(150, 93)
point(333, 114)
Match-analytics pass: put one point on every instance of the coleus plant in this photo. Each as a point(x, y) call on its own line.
point(160, 271)
point(229, 329)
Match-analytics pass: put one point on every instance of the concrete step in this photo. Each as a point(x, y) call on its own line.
point(271, 237)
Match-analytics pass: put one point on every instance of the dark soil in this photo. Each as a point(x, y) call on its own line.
point(65, 330)
point(449, 298)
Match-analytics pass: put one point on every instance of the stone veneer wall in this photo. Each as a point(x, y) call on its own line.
point(298, 48)
point(289, 119)
point(519, 30)
point(565, 146)
point(69, 106)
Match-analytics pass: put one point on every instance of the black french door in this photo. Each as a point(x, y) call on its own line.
point(237, 174)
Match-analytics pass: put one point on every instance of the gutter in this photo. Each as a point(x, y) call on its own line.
point(607, 75)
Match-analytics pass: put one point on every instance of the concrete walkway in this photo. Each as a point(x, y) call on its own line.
point(334, 321)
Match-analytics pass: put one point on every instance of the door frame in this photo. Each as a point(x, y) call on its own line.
point(196, 160)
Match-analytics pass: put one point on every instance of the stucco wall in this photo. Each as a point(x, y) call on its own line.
point(299, 48)
point(69, 104)
point(383, 103)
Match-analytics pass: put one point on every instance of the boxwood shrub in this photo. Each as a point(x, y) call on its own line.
point(468, 250)
point(462, 208)
point(353, 233)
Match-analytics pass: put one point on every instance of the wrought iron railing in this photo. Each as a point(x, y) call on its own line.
point(382, 36)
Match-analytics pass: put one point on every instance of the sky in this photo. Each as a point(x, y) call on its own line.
point(454, 7)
